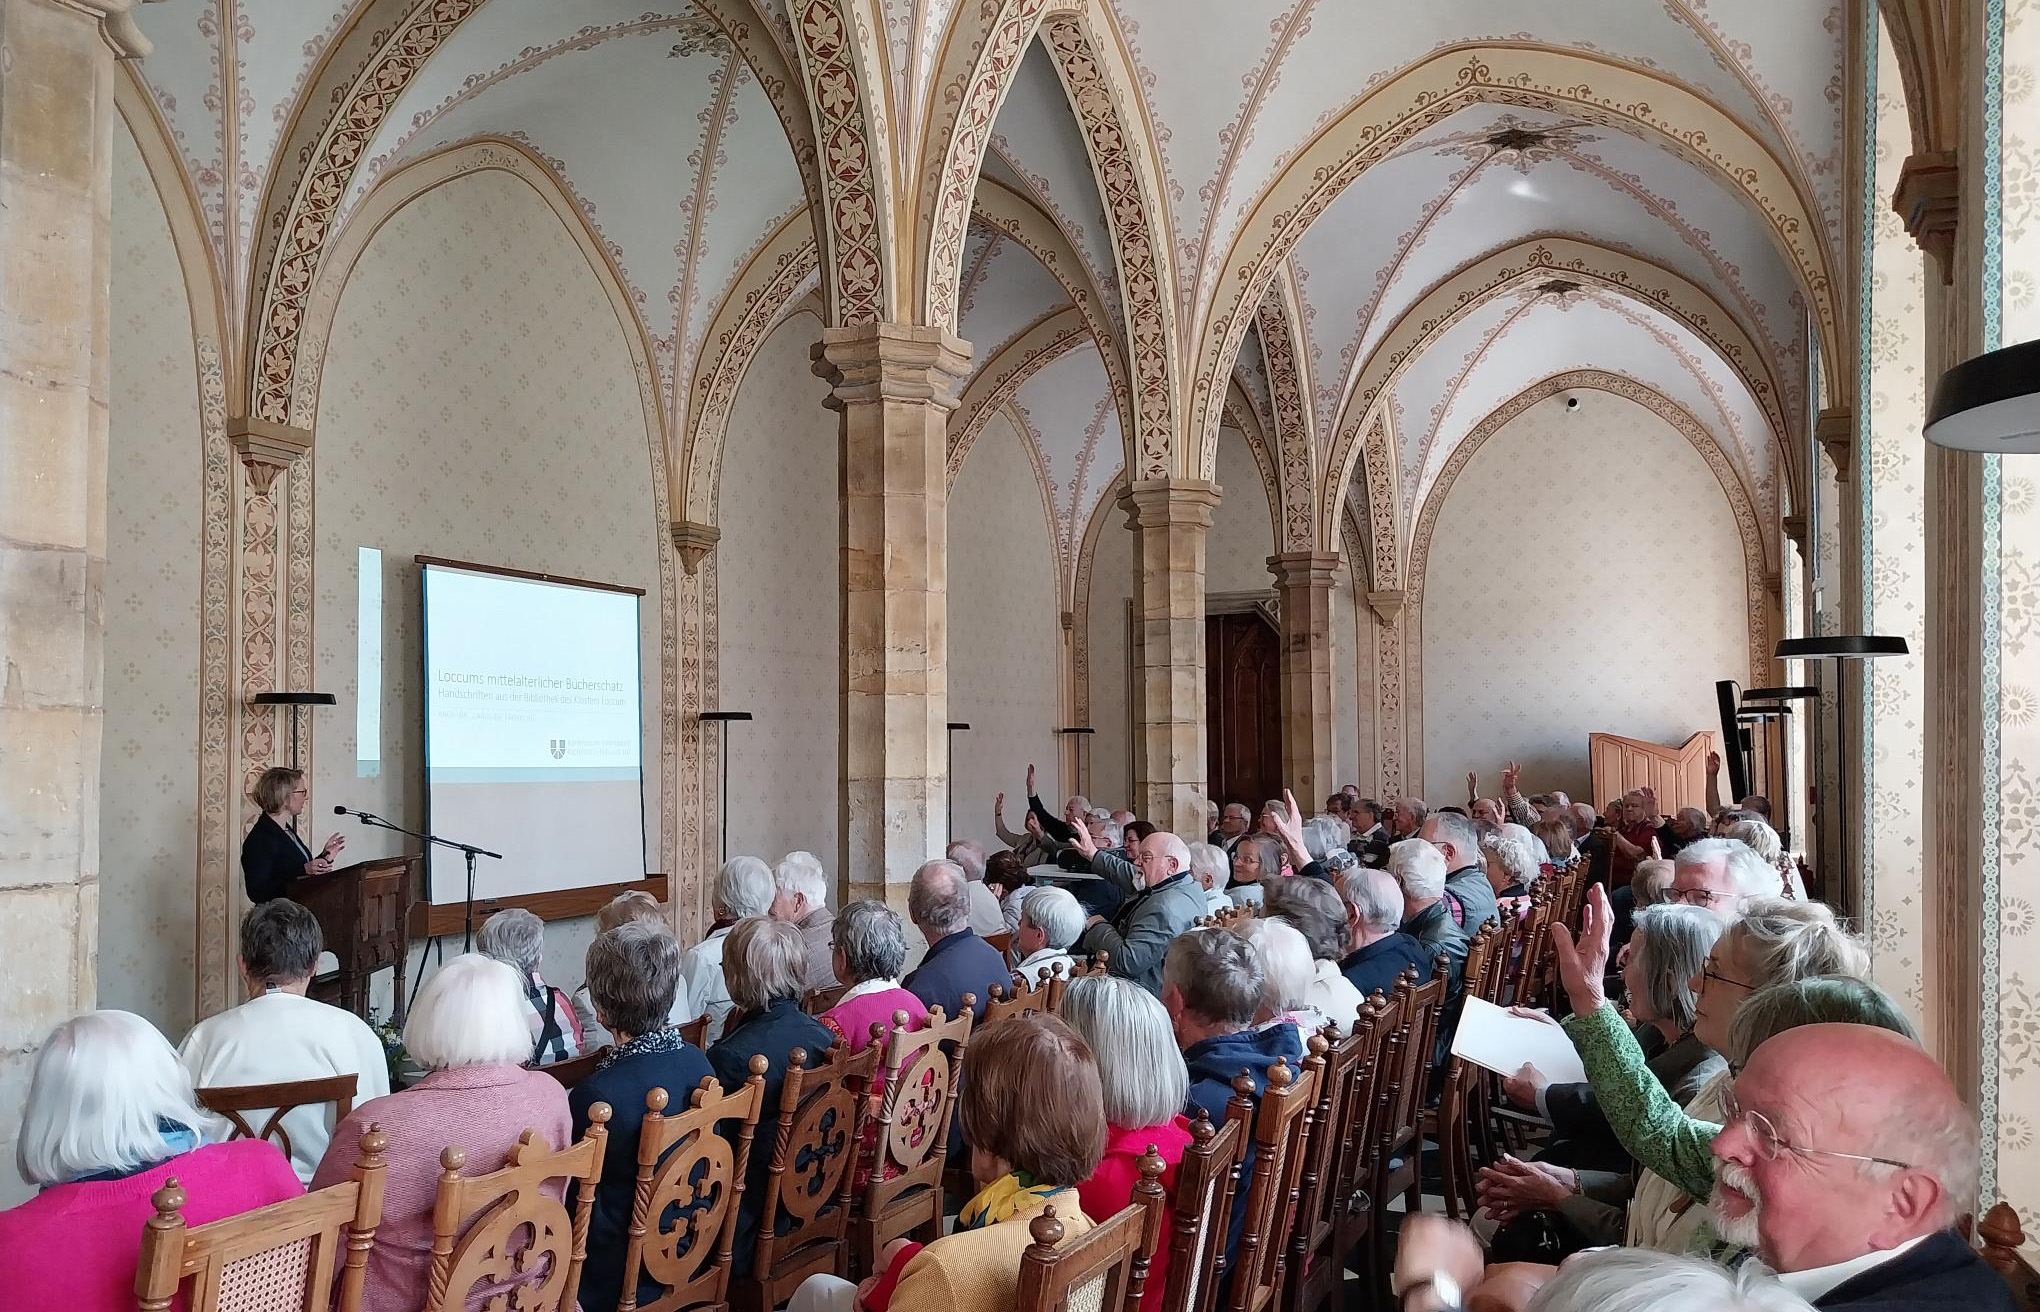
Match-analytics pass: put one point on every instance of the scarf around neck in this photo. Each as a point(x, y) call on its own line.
point(1004, 1198)
point(663, 1039)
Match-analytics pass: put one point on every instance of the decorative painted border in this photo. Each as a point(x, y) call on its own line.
point(1295, 441)
point(1991, 804)
point(853, 165)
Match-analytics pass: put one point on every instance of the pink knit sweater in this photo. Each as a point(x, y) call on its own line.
point(74, 1246)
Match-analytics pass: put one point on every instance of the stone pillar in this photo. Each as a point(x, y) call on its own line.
point(893, 390)
point(1303, 580)
point(1170, 518)
point(1391, 741)
point(56, 240)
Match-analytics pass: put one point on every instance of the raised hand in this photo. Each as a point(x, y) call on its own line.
point(1289, 828)
point(1428, 1246)
point(1030, 780)
point(1583, 963)
point(334, 842)
point(1512, 774)
point(1713, 763)
point(1472, 784)
point(1080, 838)
point(999, 807)
point(1033, 824)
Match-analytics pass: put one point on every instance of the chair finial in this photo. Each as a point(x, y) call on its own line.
point(599, 1114)
point(1279, 1075)
point(452, 1159)
point(169, 1200)
point(655, 1100)
point(758, 1066)
point(1046, 1229)
point(373, 1143)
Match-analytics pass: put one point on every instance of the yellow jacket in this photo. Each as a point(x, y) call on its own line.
point(979, 1270)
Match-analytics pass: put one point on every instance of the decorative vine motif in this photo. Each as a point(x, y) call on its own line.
point(1012, 30)
point(258, 636)
point(995, 389)
point(309, 221)
point(1133, 240)
point(1388, 693)
point(848, 193)
point(1292, 429)
point(217, 821)
point(1381, 517)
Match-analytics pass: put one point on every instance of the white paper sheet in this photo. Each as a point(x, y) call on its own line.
point(1489, 1037)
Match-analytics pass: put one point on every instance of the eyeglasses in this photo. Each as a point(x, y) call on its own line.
point(1698, 897)
point(1769, 1145)
point(1709, 972)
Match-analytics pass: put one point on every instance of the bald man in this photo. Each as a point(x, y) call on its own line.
point(1162, 900)
point(1845, 1160)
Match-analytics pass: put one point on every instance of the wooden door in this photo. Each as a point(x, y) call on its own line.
point(1243, 708)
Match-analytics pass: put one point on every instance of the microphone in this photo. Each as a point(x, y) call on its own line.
point(339, 810)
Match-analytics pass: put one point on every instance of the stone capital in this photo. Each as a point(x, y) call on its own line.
point(267, 449)
point(1835, 430)
point(694, 541)
point(1795, 531)
point(1304, 569)
point(890, 362)
point(1386, 603)
point(1169, 502)
point(1929, 199)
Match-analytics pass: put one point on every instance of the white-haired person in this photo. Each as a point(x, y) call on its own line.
point(1722, 875)
point(1317, 911)
point(1050, 920)
point(1288, 974)
point(110, 1119)
point(1513, 858)
point(469, 1031)
point(801, 899)
point(1146, 1086)
point(1256, 863)
point(516, 937)
point(743, 888)
point(1212, 869)
point(635, 906)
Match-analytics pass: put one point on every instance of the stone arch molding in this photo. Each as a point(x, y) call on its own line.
point(1503, 273)
point(1590, 88)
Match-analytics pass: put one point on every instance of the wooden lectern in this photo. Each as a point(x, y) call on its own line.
point(364, 911)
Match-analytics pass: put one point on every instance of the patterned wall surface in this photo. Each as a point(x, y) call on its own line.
point(780, 595)
point(478, 403)
point(1661, 613)
point(1897, 530)
point(148, 835)
point(1004, 643)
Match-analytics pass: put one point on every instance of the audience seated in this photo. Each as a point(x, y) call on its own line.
point(279, 1035)
point(870, 952)
point(1420, 869)
point(743, 889)
point(1287, 974)
point(1722, 875)
point(1317, 911)
point(1212, 869)
point(470, 1029)
point(801, 898)
point(1377, 951)
point(987, 914)
point(110, 1119)
point(516, 938)
point(1468, 894)
point(1145, 1089)
point(765, 961)
point(1212, 986)
point(1649, 886)
point(1370, 836)
point(1234, 823)
point(1512, 858)
point(1032, 1113)
point(1050, 920)
point(1006, 876)
point(958, 961)
point(1256, 863)
point(633, 972)
point(1161, 902)
point(621, 909)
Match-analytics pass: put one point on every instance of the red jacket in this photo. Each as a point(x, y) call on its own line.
point(1110, 1187)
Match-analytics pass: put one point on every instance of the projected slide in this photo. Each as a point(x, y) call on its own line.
point(532, 732)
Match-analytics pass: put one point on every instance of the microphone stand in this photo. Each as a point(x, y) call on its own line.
point(467, 850)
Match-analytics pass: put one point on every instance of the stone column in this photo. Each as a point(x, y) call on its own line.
point(893, 390)
point(56, 246)
point(1170, 518)
point(1303, 580)
point(1391, 740)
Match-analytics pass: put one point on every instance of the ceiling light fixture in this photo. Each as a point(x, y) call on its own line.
point(1518, 139)
point(1990, 403)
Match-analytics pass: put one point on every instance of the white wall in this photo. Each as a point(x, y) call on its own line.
point(1586, 575)
point(148, 777)
point(478, 402)
point(1242, 535)
point(779, 586)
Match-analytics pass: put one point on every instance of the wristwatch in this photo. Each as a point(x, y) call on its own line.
point(1441, 1285)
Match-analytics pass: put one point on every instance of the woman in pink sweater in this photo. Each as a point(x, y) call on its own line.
point(870, 949)
point(110, 1120)
point(469, 1029)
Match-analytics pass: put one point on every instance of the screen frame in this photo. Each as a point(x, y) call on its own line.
point(436, 918)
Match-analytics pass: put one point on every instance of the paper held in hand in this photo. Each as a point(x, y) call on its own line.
point(1489, 1037)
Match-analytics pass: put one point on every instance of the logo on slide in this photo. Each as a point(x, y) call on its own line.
point(559, 748)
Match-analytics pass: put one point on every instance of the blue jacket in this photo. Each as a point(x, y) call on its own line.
point(1476, 896)
point(774, 1032)
point(1378, 965)
point(957, 964)
point(1214, 1064)
point(623, 1084)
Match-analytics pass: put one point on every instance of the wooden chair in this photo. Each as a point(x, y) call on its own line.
point(1279, 1125)
point(1019, 1000)
point(686, 1168)
point(1105, 1271)
point(695, 1031)
point(504, 1226)
point(1003, 942)
point(2003, 1239)
point(278, 1258)
point(234, 1101)
point(808, 1188)
point(1355, 1213)
point(818, 1001)
point(1460, 1109)
point(1406, 1065)
point(912, 1148)
point(1316, 1267)
point(1058, 982)
point(1201, 1213)
point(576, 1069)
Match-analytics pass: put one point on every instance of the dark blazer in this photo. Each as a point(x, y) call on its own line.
point(1581, 1135)
point(774, 1032)
point(623, 1084)
point(271, 858)
point(1943, 1272)
point(957, 964)
point(1381, 963)
point(1476, 895)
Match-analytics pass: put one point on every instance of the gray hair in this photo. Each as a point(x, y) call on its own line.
point(873, 941)
point(764, 960)
point(1375, 895)
point(513, 936)
point(1644, 1280)
point(1239, 807)
point(1320, 836)
point(1780, 941)
point(103, 1085)
point(1211, 866)
point(939, 897)
point(633, 972)
point(1816, 1000)
point(801, 873)
point(1144, 1079)
point(1457, 830)
point(1750, 874)
point(470, 1013)
point(744, 887)
point(968, 854)
point(1286, 964)
point(1111, 834)
point(1671, 945)
point(1219, 975)
point(1419, 868)
point(280, 941)
point(1314, 908)
point(1760, 837)
point(1056, 913)
point(1515, 852)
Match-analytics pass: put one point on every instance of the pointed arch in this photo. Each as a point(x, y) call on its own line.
point(994, 385)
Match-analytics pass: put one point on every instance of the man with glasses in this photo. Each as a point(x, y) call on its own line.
point(1720, 875)
point(1845, 1160)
